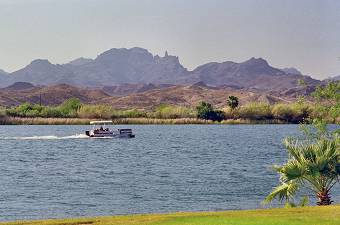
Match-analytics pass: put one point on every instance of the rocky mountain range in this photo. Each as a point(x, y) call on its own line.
point(137, 66)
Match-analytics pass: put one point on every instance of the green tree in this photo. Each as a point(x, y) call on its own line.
point(232, 102)
point(315, 165)
point(206, 111)
point(70, 107)
point(328, 98)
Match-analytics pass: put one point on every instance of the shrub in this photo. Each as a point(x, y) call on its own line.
point(25, 110)
point(50, 112)
point(133, 113)
point(295, 113)
point(95, 111)
point(283, 112)
point(173, 112)
point(70, 107)
point(256, 111)
point(2, 112)
point(301, 112)
point(206, 111)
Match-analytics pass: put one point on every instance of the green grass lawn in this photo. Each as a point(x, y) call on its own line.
point(326, 215)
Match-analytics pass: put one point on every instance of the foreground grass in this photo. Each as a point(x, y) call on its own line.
point(327, 215)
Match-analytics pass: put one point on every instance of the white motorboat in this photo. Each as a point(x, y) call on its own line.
point(101, 130)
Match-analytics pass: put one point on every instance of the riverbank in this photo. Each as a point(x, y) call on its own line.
point(82, 121)
point(325, 215)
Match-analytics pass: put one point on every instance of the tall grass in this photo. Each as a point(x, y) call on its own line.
point(291, 112)
point(172, 112)
point(95, 111)
point(255, 111)
point(2, 112)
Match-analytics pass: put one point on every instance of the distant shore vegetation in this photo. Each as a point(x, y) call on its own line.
point(73, 111)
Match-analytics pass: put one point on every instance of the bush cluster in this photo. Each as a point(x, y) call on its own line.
point(292, 113)
point(207, 112)
point(172, 112)
point(67, 109)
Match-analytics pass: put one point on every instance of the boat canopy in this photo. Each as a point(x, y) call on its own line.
point(101, 122)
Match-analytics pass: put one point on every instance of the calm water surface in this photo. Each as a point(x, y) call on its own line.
point(51, 172)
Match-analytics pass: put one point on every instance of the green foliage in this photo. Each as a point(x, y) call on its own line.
point(256, 111)
point(51, 112)
point(206, 111)
point(132, 113)
point(172, 112)
point(328, 101)
point(2, 112)
point(315, 163)
point(70, 107)
point(95, 111)
point(315, 160)
point(232, 102)
point(25, 110)
point(330, 92)
point(294, 113)
point(283, 192)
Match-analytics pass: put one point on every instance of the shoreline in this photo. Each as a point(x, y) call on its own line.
point(132, 121)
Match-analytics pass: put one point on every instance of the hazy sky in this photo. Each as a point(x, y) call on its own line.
point(301, 33)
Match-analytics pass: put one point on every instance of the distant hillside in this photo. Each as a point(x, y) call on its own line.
point(116, 67)
point(127, 89)
point(18, 86)
point(191, 95)
point(50, 95)
point(151, 97)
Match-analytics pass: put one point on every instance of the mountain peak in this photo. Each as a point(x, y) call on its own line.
point(256, 61)
point(123, 53)
point(40, 61)
point(291, 70)
point(80, 61)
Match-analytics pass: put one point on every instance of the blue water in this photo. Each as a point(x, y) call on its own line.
point(53, 172)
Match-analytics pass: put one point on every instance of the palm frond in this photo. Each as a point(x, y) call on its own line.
point(285, 191)
point(292, 170)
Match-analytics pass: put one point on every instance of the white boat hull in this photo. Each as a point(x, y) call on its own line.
point(120, 133)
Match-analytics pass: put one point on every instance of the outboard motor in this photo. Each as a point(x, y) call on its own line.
point(87, 133)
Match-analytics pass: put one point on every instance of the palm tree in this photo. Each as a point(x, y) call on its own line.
point(232, 102)
point(313, 165)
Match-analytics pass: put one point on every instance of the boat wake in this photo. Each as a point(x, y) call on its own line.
point(51, 137)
